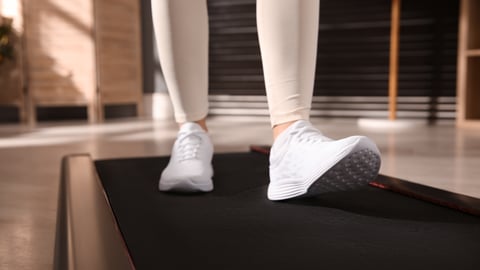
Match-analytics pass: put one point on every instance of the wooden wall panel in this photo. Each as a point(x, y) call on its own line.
point(60, 52)
point(119, 55)
point(77, 53)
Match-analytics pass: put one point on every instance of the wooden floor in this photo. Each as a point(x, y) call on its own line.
point(440, 156)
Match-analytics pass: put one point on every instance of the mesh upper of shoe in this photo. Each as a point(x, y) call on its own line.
point(191, 156)
point(301, 149)
point(303, 159)
point(188, 146)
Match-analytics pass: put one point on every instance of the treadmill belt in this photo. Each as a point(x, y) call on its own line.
point(237, 227)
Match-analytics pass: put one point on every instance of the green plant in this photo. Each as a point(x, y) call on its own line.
point(6, 46)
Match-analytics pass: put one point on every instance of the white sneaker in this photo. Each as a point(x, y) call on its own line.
point(303, 162)
point(190, 166)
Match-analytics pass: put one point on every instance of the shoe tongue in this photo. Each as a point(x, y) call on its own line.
point(190, 127)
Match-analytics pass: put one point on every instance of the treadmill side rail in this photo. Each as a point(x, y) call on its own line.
point(87, 235)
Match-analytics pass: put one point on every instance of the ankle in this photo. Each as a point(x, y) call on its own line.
point(202, 123)
point(278, 129)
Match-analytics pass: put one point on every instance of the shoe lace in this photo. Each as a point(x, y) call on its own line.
point(188, 146)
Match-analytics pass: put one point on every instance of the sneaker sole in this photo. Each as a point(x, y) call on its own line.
point(186, 186)
point(356, 169)
point(353, 171)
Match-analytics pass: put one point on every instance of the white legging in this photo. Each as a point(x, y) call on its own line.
point(288, 31)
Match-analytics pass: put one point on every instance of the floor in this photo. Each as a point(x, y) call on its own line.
point(437, 155)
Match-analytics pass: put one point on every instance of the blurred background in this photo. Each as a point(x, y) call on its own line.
point(96, 59)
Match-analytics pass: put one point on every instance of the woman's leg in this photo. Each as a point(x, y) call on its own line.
point(288, 31)
point(302, 160)
point(181, 30)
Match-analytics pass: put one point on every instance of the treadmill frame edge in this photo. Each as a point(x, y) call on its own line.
point(87, 233)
